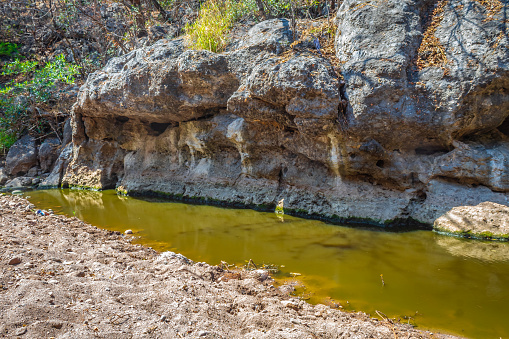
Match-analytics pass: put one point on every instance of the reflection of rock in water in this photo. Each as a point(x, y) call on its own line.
point(476, 249)
point(84, 198)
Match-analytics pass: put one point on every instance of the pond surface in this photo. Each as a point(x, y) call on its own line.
point(433, 281)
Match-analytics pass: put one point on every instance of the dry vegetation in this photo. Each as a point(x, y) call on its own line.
point(432, 52)
point(493, 7)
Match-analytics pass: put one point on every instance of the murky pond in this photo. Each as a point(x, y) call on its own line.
point(433, 281)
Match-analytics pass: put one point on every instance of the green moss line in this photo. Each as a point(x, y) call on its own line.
point(473, 235)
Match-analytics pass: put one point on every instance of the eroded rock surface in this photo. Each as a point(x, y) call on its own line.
point(489, 218)
point(21, 156)
point(423, 131)
point(48, 153)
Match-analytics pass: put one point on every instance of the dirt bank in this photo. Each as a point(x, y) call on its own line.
point(63, 278)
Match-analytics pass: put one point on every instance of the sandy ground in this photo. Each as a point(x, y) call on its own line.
point(63, 278)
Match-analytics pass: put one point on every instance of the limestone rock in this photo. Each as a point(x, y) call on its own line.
point(55, 177)
point(175, 85)
point(486, 219)
point(48, 153)
point(21, 156)
point(426, 100)
point(19, 182)
point(3, 177)
point(302, 92)
point(67, 137)
point(416, 103)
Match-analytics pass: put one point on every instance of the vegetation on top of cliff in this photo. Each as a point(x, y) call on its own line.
point(30, 89)
point(217, 17)
point(215, 20)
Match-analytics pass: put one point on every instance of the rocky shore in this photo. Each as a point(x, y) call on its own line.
point(63, 278)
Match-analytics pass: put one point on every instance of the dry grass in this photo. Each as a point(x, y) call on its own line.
point(326, 33)
point(493, 7)
point(431, 52)
point(309, 30)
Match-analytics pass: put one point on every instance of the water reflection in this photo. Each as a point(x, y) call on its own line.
point(482, 250)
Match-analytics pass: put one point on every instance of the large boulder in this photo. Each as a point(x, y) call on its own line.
point(421, 73)
point(48, 153)
point(488, 219)
point(163, 83)
point(21, 156)
point(301, 93)
point(423, 77)
point(19, 182)
point(55, 177)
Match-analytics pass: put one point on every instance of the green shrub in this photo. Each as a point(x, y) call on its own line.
point(7, 139)
point(279, 7)
point(214, 22)
point(31, 87)
point(8, 49)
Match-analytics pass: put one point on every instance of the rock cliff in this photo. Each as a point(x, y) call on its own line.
point(424, 129)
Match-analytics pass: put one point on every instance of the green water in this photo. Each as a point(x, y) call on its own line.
point(442, 283)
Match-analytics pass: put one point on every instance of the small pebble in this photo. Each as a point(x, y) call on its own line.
point(21, 331)
point(128, 232)
point(15, 261)
point(57, 325)
point(261, 275)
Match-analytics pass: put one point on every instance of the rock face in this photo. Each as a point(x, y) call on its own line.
point(487, 218)
point(55, 177)
point(21, 156)
point(3, 177)
point(424, 129)
point(48, 153)
point(19, 182)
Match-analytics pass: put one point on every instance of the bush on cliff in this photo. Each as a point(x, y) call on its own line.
point(217, 17)
point(215, 20)
point(31, 88)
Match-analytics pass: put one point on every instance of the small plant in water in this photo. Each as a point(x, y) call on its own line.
point(280, 207)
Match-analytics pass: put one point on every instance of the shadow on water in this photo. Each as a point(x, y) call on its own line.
point(434, 281)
